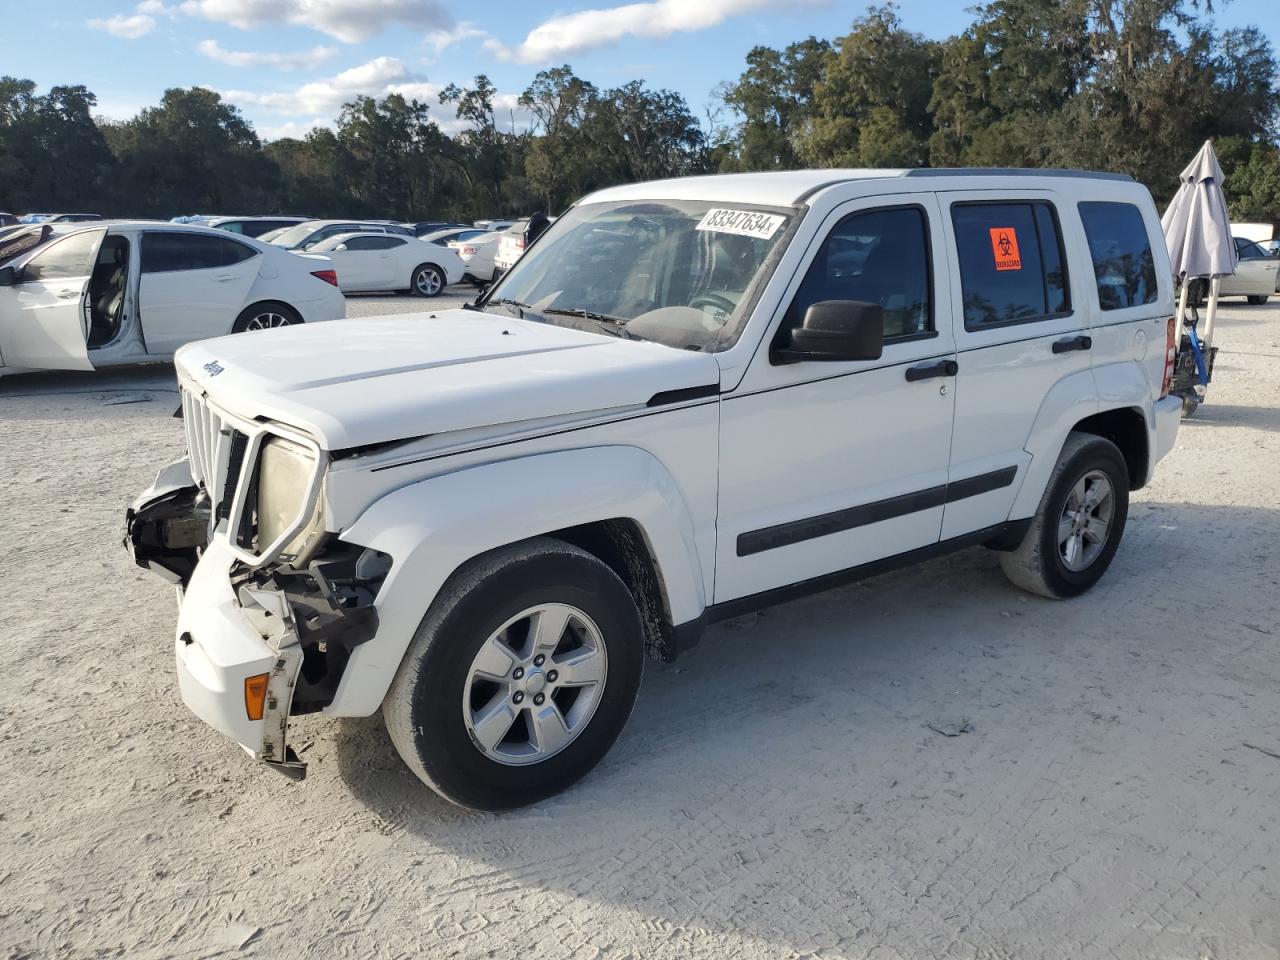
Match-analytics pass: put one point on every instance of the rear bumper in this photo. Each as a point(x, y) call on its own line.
point(1168, 416)
point(330, 307)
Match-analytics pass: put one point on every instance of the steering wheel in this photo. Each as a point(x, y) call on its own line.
point(723, 304)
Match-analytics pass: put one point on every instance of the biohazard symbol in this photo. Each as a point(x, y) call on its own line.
point(1004, 247)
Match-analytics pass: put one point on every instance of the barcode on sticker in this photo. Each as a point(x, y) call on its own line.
point(743, 223)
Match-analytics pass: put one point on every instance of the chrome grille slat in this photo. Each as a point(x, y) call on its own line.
point(209, 440)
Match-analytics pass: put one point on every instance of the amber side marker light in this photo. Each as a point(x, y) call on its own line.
point(255, 695)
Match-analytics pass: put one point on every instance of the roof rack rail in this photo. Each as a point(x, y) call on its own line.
point(1014, 172)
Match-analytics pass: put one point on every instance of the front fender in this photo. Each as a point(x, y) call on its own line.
point(432, 527)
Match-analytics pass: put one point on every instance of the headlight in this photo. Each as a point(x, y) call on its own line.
point(285, 471)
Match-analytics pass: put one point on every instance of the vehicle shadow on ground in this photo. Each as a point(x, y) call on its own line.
point(920, 717)
point(1212, 414)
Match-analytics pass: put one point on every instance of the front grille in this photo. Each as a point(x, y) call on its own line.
point(210, 442)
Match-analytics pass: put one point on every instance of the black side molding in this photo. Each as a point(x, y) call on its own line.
point(797, 531)
point(683, 395)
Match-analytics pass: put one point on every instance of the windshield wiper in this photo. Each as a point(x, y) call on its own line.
point(506, 302)
point(609, 324)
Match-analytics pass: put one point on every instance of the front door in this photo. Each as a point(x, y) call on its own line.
point(193, 286)
point(44, 315)
point(830, 465)
point(1019, 331)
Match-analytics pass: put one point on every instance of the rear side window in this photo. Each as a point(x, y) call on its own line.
point(167, 252)
point(65, 259)
point(1011, 263)
point(373, 243)
point(1123, 265)
point(876, 256)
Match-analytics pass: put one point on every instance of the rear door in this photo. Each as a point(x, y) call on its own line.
point(1019, 331)
point(193, 286)
point(44, 316)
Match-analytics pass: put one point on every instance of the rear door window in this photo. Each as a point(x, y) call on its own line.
point(1123, 265)
point(1011, 263)
point(167, 252)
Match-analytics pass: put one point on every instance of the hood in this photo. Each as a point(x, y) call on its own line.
point(356, 382)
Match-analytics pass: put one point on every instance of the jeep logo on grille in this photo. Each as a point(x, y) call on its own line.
point(213, 368)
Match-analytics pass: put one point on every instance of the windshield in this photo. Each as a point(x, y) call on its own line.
point(294, 235)
point(680, 272)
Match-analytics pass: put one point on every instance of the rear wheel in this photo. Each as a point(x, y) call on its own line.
point(1078, 527)
point(428, 280)
point(1258, 301)
point(265, 316)
point(519, 678)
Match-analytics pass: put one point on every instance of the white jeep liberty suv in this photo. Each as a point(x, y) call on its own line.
point(688, 399)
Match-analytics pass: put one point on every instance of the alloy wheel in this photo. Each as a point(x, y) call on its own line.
point(534, 685)
point(268, 321)
point(1085, 523)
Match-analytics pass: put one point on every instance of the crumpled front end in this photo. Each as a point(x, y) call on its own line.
point(270, 608)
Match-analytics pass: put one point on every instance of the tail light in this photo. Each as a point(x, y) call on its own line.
point(519, 242)
point(328, 276)
point(468, 251)
point(1170, 357)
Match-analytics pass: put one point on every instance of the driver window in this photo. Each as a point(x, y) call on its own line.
point(64, 259)
point(877, 256)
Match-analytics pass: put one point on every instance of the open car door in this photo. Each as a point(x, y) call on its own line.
point(44, 309)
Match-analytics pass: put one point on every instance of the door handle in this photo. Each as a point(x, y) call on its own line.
point(69, 295)
point(224, 277)
point(1072, 343)
point(926, 371)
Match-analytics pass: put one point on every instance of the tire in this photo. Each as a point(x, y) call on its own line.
point(1189, 406)
point(436, 706)
point(428, 280)
point(1039, 564)
point(1259, 300)
point(267, 315)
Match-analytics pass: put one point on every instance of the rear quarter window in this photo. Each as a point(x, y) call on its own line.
point(1123, 265)
point(1011, 263)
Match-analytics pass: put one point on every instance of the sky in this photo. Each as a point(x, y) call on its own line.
point(290, 64)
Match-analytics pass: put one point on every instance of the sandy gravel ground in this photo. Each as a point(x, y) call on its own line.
point(779, 793)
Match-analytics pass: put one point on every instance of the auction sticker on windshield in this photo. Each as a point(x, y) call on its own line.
point(743, 223)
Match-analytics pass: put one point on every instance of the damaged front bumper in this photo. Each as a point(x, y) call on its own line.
point(298, 627)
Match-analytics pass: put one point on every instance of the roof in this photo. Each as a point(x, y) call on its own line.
point(785, 188)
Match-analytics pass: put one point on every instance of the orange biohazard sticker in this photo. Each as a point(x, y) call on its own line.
point(1004, 247)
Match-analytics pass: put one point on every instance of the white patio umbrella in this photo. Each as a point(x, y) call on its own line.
point(1197, 231)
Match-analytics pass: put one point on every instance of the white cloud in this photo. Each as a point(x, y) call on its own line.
point(351, 21)
point(296, 129)
point(325, 97)
point(572, 33)
point(438, 40)
point(156, 7)
point(128, 27)
point(301, 60)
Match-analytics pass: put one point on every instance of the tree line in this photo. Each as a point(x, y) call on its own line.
point(1132, 86)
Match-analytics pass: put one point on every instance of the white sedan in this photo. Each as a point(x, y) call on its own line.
point(379, 261)
point(480, 253)
point(79, 296)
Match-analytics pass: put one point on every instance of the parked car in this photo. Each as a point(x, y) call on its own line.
point(424, 227)
point(304, 236)
point(77, 297)
point(73, 217)
point(511, 245)
point(271, 235)
point(493, 224)
point(380, 261)
point(254, 226)
point(1256, 273)
point(479, 254)
point(671, 411)
point(7, 220)
point(442, 238)
point(34, 217)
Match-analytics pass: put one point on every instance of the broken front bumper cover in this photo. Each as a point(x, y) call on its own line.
point(296, 626)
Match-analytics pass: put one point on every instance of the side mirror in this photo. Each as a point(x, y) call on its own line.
point(837, 330)
point(341, 246)
point(8, 276)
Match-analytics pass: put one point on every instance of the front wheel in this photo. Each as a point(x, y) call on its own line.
point(520, 677)
point(1078, 526)
point(1258, 301)
point(427, 280)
